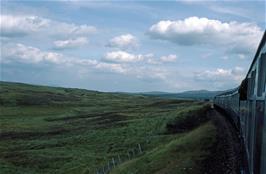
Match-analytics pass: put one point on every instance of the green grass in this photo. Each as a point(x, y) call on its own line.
point(182, 154)
point(60, 130)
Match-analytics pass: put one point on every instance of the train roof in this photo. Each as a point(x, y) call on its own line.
point(229, 91)
point(262, 43)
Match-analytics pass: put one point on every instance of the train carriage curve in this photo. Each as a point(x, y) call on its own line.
point(246, 106)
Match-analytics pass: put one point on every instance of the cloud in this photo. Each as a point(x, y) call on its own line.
point(221, 76)
point(125, 57)
point(111, 67)
point(240, 38)
point(20, 53)
point(229, 10)
point(169, 58)
point(14, 26)
point(27, 54)
point(122, 57)
point(123, 41)
point(31, 55)
point(21, 25)
point(149, 73)
point(70, 43)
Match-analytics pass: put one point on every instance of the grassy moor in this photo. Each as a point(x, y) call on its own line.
point(62, 130)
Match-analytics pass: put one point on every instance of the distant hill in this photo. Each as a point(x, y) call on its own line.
point(26, 94)
point(21, 94)
point(197, 94)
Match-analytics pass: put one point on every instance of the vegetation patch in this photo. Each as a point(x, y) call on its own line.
point(188, 120)
point(181, 155)
point(86, 129)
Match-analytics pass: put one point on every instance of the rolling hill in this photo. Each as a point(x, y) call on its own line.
point(64, 130)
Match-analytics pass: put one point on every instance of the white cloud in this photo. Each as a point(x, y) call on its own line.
point(27, 54)
point(240, 38)
point(150, 73)
point(18, 25)
point(22, 53)
point(169, 58)
point(125, 57)
point(13, 26)
point(221, 75)
point(70, 43)
point(122, 57)
point(112, 67)
point(123, 41)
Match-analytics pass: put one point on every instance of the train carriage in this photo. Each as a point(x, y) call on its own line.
point(246, 107)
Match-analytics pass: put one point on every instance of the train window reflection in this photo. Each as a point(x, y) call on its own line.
point(262, 74)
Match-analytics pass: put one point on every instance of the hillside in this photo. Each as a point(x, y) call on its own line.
point(197, 94)
point(62, 130)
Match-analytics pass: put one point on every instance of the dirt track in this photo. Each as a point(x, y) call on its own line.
point(226, 156)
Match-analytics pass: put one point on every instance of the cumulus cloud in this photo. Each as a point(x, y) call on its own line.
point(13, 26)
point(122, 56)
point(70, 43)
point(22, 53)
point(27, 54)
point(221, 75)
point(123, 41)
point(125, 57)
point(241, 38)
point(112, 67)
point(169, 58)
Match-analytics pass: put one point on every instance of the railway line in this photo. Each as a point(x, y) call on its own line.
point(226, 155)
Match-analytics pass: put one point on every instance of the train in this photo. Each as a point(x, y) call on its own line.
point(246, 108)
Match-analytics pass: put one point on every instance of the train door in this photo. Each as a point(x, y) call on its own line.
point(263, 154)
point(251, 128)
point(262, 94)
point(259, 120)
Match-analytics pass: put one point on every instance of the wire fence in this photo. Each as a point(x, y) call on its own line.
point(116, 160)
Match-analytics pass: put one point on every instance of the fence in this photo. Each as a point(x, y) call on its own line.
point(116, 160)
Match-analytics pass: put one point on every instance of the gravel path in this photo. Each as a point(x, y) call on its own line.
point(226, 156)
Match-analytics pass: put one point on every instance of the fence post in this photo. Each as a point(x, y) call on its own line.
point(119, 159)
point(133, 152)
point(104, 169)
point(109, 168)
point(140, 150)
point(113, 161)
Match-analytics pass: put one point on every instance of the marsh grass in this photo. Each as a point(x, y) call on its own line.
point(59, 130)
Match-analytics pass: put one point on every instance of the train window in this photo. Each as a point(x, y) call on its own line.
point(251, 84)
point(262, 74)
point(243, 90)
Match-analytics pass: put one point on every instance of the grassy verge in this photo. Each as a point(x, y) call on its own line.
point(181, 155)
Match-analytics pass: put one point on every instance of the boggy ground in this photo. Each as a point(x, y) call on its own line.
point(59, 130)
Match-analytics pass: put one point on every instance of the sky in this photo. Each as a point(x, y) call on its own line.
point(130, 46)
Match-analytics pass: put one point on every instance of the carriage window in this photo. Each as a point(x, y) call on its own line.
point(262, 74)
point(251, 84)
point(243, 90)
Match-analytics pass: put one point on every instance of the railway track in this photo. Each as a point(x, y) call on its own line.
point(226, 154)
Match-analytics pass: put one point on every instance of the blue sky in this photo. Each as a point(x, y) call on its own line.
point(130, 46)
